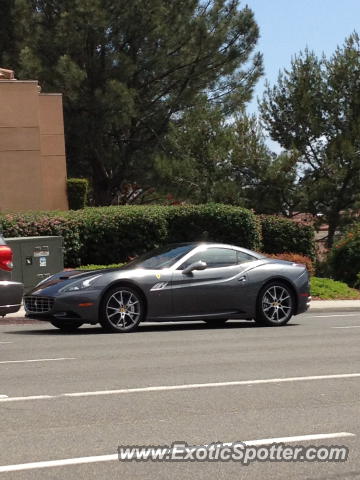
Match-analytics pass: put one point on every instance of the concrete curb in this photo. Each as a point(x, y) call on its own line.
point(323, 306)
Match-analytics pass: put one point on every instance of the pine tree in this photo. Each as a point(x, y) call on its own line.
point(128, 69)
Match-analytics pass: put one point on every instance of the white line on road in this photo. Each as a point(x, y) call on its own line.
point(350, 326)
point(39, 360)
point(337, 315)
point(183, 387)
point(114, 457)
point(2, 343)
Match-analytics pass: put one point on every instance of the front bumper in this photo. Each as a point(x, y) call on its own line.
point(67, 307)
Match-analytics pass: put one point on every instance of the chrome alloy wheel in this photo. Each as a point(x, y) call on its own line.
point(123, 309)
point(277, 304)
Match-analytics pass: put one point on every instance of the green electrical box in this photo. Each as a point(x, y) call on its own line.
point(36, 258)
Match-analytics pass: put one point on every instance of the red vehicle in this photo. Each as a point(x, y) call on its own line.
point(10, 292)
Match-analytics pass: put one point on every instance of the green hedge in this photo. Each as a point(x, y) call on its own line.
point(77, 191)
point(87, 268)
point(43, 224)
point(108, 235)
point(344, 257)
point(113, 234)
point(214, 222)
point(283, 235)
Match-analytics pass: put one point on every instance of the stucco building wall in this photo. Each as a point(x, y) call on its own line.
point(32, 150)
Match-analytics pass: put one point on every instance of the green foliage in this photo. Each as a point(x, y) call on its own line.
point(7, 35)
point(282, 235)
point(42, 224)
point(266, 182)
point(327, 289)
point(128, 69)
point(206, 158)
point(194, 162)
point(113, 235)
point(99, 267)
point(214, 222)
point(315, 109)
point(344, 258)
point(77, 191)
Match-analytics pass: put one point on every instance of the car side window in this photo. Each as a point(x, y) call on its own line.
point(214, 257)
point(243, 257)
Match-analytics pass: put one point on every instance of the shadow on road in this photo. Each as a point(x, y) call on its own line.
point(148, 328)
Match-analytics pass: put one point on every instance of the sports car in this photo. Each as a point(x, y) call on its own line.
point(189, 281)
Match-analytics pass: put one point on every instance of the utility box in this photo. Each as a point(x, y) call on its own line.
point(36, 258)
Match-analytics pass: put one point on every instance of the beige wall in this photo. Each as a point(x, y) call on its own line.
point(32, 150)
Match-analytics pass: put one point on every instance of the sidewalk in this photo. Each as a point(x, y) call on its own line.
point(334, 305)
point(317, 306)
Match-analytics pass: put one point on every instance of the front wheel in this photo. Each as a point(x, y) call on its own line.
point(122, 310)
point(66, 326)
point(275, 304)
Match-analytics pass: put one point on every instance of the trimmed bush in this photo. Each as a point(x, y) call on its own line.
point(99, 267)
point(39, 224)
point(344, 257)
point(113, 234)
point(108, 235)
point(295, 258)
point(214, 222)
point(77, 191)
point(284, 235)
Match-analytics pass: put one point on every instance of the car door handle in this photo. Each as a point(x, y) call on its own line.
point(242, 279)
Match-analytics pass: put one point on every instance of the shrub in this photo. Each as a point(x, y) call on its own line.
point(77, 191)
point(43, 224)
point(296, 258)
point(214, 222)
point(113, 234)
point(328, 289)
point(284, 235)
point(108, 235)
point(99, 267)
point(344, 257)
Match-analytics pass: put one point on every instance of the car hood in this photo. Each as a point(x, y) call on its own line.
point(67, 277)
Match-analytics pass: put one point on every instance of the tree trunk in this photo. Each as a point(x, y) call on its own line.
point(333, 222)
point(102, 194)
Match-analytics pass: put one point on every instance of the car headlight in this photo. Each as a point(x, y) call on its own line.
point(79, 284)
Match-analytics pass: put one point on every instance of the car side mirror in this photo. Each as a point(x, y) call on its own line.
point(195, 266)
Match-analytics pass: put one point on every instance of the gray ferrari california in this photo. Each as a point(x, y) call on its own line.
point(193, 281)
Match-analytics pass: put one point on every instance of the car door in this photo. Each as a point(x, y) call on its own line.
point(214, 290)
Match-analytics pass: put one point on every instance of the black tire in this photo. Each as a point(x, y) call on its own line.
point(66, 326)
point(275, 305)
point(122, 309)
point(216, 322)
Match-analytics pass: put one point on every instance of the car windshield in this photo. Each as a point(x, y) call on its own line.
point(163, 257)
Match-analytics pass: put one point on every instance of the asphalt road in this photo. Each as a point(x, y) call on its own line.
point(40, 422)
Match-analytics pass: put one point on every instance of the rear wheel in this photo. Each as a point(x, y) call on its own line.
point(275, 304)
point(122, 310)
point(66, 326)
